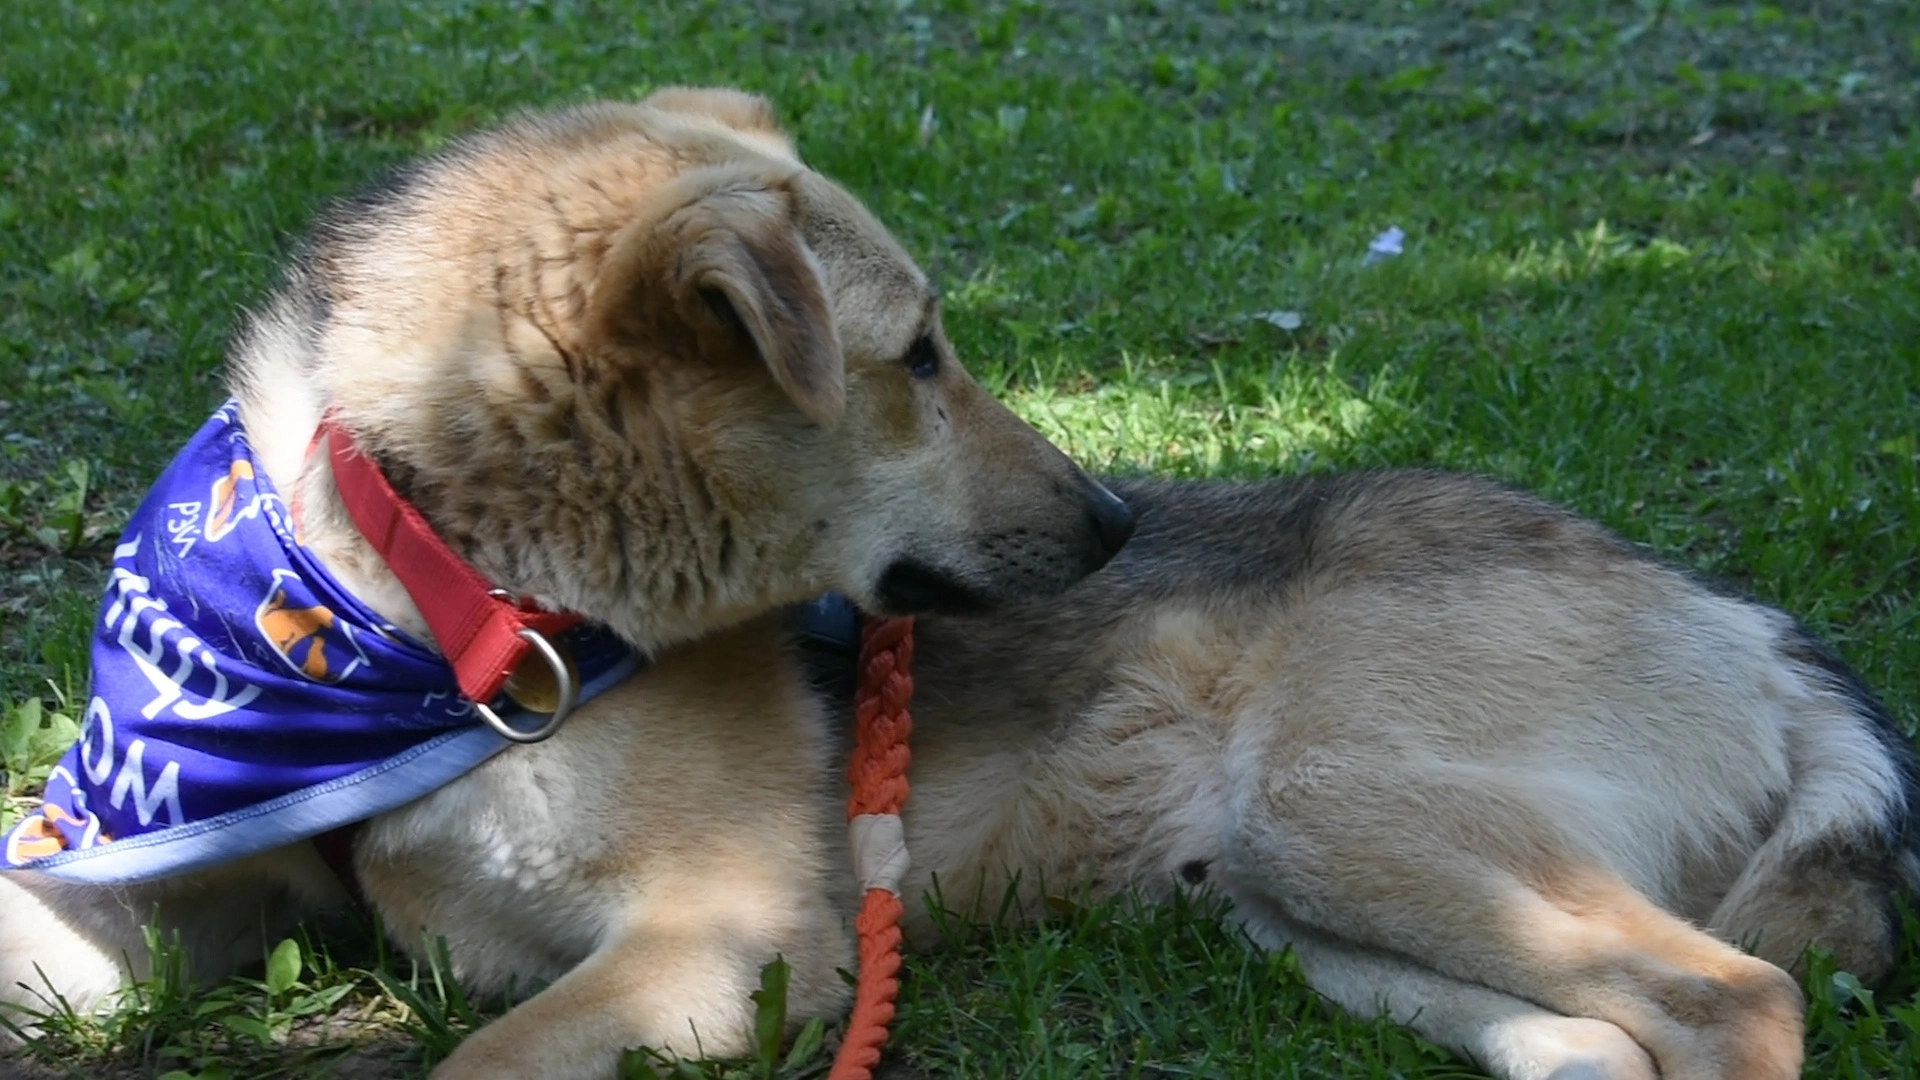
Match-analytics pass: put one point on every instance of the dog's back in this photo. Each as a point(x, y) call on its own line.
point(1439, 587)
point(1425, 713)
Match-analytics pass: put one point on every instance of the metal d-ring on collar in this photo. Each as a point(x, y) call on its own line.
point(567, 693)
point(443, 586)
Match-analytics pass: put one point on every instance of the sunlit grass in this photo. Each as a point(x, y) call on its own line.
point(1661, 264)
point(1168, 419)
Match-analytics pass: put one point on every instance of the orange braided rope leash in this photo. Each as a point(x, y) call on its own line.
point(879, 774)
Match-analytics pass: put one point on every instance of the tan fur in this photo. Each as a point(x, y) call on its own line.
point(1500, 800)
point(640, 363)
point(1478, 764)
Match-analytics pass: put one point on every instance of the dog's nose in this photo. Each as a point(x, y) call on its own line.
point(1112, 523)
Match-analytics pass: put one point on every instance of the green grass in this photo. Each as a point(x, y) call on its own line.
point(1661, 265)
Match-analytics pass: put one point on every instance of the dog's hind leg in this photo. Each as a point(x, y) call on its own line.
point(1432, 882)
point(1510, 1038)
point(1847, 842)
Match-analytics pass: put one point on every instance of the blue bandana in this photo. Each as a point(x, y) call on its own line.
point(244, 700)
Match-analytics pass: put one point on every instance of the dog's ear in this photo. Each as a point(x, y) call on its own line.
point(755, 276)
point(728, 268)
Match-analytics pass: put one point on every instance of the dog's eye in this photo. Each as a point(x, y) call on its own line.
point(923, 359)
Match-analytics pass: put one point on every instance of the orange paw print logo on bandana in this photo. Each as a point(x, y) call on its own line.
point(39, 835)
point(230, 504)
point(305, 634)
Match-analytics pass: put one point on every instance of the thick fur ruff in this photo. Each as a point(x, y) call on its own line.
point(1480, 763)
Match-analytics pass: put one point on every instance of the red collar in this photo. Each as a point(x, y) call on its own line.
point(483, 631)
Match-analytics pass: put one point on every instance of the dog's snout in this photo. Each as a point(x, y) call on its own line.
point(1112, 523)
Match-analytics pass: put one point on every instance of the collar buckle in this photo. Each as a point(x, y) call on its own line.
point(485, 632)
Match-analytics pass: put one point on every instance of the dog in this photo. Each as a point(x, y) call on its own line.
point(632, 362)
point(1482, 765)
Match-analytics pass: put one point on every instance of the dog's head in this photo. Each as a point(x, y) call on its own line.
point(638, 361)
point(828, 394)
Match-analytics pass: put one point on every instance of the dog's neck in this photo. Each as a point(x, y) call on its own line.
point(652, 545)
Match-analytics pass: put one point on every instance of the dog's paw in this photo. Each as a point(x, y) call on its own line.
point(1545, 1047)
point(1761, 1034)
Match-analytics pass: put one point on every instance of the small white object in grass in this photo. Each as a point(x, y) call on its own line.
point(1285, 320)
point(927, 125)
point(1385, 246)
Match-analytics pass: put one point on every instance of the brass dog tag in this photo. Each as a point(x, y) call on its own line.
point(534, 686)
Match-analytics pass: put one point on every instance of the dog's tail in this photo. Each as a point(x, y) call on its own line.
point(1845, 850)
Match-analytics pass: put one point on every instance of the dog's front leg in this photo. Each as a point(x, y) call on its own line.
point(70, 945)
point(684, 990)
point(61, 942)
